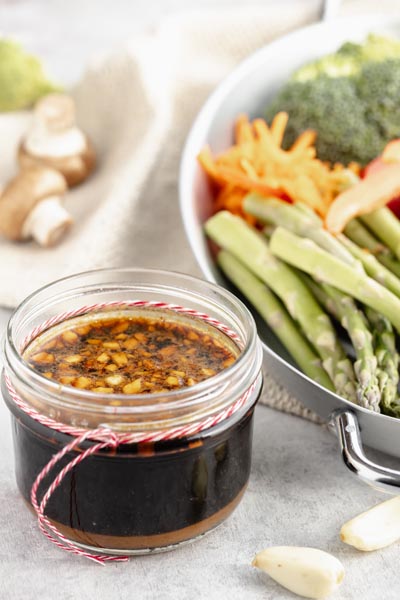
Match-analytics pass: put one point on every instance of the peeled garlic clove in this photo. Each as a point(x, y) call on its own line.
point(308, 572)
point(376, 528)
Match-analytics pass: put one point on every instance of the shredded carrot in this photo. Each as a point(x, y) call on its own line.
point(244, 133)
point(278, 127)
point(305, 140)
point(257, 162)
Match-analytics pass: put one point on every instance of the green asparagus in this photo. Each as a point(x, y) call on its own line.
point(309, 257)
point(316, 289)
point(386, 226)
point(343, 308)
point(247, 245)
point(308, 211)
point(275, 316)
point(388, 362)
point(361, 236)
point(283, 214)
point(372, 266)
point(271, 210)
point(365, 367)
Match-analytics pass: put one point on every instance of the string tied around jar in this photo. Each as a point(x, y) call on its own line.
point(105, 437)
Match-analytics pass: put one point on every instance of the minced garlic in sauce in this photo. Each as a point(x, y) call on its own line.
point(130, 355)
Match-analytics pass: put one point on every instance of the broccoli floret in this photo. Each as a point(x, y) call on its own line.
point(331, 65)
point(378, 88)
point(331, 107)
point(376, 48)
point(351, 99)
point(350, 58)
point(22, 80)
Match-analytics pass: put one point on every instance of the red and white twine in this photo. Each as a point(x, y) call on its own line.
point(106, 437)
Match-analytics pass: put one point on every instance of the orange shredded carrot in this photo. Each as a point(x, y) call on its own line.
point(257, 162)
point(243, 130)
point(278, 127)
point(305, 140)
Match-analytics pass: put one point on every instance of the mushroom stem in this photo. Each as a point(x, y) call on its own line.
point(42, 143)
point(47, 222)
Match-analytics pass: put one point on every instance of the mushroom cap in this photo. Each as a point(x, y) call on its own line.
point(75, 169)
point(56, 112)
point(23, 193)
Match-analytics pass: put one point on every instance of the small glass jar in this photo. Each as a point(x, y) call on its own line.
point(143, 496)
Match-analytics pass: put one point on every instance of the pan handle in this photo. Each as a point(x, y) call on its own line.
point(348, 431)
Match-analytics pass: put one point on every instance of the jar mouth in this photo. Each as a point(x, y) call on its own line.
point(109, 285)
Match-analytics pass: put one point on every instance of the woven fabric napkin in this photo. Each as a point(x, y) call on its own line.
point(137, 106)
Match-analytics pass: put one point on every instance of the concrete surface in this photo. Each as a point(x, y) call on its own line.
point(299, 492)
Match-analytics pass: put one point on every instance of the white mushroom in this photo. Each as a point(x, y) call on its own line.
point(56, 141)
point(31, 207)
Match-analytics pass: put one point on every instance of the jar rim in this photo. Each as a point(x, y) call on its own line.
point(150, 403)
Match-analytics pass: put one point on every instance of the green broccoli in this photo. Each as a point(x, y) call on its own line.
point(22, 80)
point(351, 98)
point(378, 88)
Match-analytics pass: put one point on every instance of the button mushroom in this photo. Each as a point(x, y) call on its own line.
point(30, 206)
point(56, 141)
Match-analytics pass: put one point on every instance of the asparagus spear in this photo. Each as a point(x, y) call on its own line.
point(372, 266)
point(317, 291)
point(365, 367)
point(247, 245)
point(275, 316)
point(283, 214)
point(386, 226)
point(307, 256)
point(344, 309)
point(271, 210)
point(307, 210)
point(361, 236)
point(388, 361)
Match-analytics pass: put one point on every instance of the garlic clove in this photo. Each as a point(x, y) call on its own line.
point(376, 528)
point(47, 222)
point(308, 572)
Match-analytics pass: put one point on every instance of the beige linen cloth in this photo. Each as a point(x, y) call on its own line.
point(137, 106)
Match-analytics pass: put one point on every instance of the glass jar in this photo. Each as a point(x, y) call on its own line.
point(141, 496)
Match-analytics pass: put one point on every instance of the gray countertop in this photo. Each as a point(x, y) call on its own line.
point(299, 492)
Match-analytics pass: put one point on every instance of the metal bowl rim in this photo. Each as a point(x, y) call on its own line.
point(191, 146)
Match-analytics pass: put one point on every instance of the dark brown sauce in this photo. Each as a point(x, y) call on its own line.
point(144, 495)
point(130, 355)
point(126, 499)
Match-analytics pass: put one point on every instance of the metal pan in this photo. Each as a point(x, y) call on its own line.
point(248, 89)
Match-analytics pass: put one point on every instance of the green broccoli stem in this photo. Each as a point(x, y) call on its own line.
point(275, 315)
point(361, 236)
point(388, 361)
point(386, 226)
point(372, 266)
point(271, 210)
point(247, 245)
point(307, 256)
